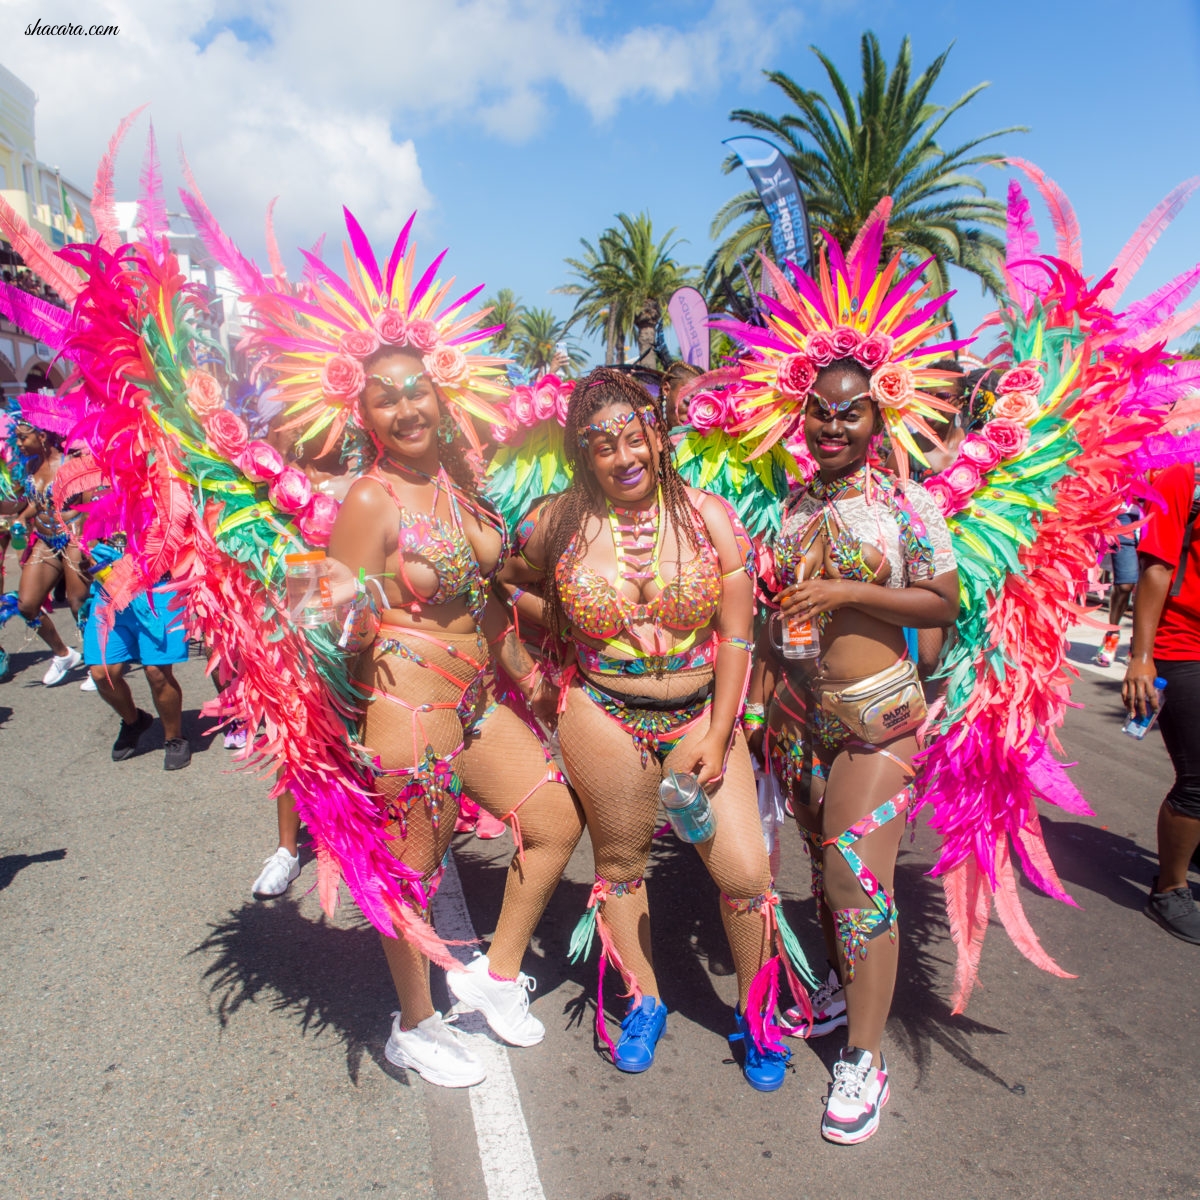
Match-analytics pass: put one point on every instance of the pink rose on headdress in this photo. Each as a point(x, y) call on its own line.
point(1008, 437)
point(447, 366)
point(423, 335)
point(545, 397)
point(1021, 407)
point(316, 522)
point(892, 386)
point(563, 401)
point(260, 462)
point(391, 327)
point(290, 491)
point(226, 433)
point(977, 450)
point(359, 343)
point(796, 375)
point(1021, 379)
point(520, 406)
point(845, 341)
point(501, 434)
point(343, 378)
point(963, 481)
point(204, 394)
point(708, 411)
point(819, 348)
point(875, 350)
point(942, 496)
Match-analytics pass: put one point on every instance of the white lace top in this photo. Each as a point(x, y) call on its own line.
point(874, 525)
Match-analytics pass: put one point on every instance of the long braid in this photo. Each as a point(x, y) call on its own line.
point(570, 510)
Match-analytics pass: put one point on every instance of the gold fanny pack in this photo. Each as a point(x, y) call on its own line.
point(881, 707)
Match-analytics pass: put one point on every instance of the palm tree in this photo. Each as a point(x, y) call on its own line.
point(848, 155)
point(507, 310)
point(624, 283)
point(536, 339)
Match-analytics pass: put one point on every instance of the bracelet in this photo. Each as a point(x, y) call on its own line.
point(756, 710)
point(737, 642)
point(752, 720)
point(517, 593)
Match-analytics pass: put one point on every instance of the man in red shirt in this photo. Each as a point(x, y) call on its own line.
point(1166, 642)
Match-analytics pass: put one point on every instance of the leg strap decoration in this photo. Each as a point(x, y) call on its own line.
point(589, 925)
point(762, 1001)
point(812, 843)
point(857, 926)
point(9, 609)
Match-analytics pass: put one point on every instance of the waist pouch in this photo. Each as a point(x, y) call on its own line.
point(881, 707)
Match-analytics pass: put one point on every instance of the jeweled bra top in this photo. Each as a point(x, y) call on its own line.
point(444, 548)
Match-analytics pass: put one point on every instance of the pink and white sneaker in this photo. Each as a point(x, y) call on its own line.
point(858, 1093)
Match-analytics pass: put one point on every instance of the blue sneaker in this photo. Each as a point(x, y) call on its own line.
point(643, 1026)
point(764, 1069)
point(4, 664)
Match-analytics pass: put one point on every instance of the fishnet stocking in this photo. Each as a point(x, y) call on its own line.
point(504, 767)
point(620, 797)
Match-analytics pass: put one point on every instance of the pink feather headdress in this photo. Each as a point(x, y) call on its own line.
point(851, 310)
point(312, 343)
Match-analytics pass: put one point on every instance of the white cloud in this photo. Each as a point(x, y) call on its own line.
point(309, 110)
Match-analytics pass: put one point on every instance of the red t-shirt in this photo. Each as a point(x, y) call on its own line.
point(1178, 635)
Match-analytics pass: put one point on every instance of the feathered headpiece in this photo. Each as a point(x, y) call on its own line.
point(851, 310)
point(313, 343)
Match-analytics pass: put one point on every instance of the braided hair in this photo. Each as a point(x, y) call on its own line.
point(568, 512)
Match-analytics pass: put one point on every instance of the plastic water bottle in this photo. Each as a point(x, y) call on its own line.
point(800, 638)
point(309, 594)
point(20, 536)
point(1138, 726)
point(688, 809)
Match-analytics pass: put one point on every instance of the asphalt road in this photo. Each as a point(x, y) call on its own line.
point(163, 1034)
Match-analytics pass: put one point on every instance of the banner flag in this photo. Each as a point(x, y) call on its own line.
point(689, 316)
point(779, 192)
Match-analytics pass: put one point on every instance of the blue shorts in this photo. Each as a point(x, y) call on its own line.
point(1125, 555)
point(154, 636)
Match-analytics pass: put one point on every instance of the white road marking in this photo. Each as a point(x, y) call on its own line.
point(505, 1151)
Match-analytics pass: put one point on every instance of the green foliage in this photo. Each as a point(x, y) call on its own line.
point(851, 151)
point(507, 310)
point(623, 284)
point(535, 342)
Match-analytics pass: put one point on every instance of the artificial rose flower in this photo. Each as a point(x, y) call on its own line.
point(226, 433)
point(520, 406)
point(316, 521)
point(545, 397)
point(875, 350)
point(978, 451)
point(963, 480)
point(846, 341)
point(391, 327)
point(260, 462)
point(819, 348)
point(797, 373)
point(290, 491)
point(892, 386)
point(359, 343)
point(423, 335)
point(942, 496)
point(447, 366)
point(1021, 379)
point(563, 401)
point(708, 411)
point(501, 434)
point(343, 378)
point(204, 394)
point(1008, 437)
point(1021, 407)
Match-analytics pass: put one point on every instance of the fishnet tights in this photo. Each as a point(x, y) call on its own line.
point(620, 798)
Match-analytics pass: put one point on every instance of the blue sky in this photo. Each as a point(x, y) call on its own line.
point(519, 126)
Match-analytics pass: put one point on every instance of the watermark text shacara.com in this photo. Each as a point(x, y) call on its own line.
point(70, 29)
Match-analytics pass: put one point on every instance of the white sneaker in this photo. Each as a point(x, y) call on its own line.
point(435, 1051)
point(828, 1011)
point(859, 1090)
point(503, 1002)
point(277, 874)
point(60, 668)
point(88, 684)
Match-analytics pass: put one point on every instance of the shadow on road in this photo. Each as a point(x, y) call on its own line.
point(5, 713)
point(12, 864)
point(1104, 862)
point(325, 977)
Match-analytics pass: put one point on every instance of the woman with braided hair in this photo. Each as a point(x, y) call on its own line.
point(649, 582)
